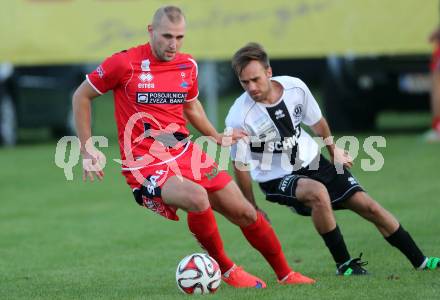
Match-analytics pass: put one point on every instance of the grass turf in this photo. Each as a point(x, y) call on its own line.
point(69, 240)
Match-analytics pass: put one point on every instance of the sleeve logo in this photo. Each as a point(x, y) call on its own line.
point(100, 71)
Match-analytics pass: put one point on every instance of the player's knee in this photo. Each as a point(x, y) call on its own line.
point(321, 203)
point(374, 210)
point(249, 216)
point(244, 216)
point(320, 199)
point(316, 195)
point(197, 200)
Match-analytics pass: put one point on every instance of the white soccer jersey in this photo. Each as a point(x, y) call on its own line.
point(278, 143)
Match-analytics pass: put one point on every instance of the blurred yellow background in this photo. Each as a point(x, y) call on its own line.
point(72, 31)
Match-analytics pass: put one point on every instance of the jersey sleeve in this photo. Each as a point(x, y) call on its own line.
point(312, 112)
point(108, 74)
point(193, 92)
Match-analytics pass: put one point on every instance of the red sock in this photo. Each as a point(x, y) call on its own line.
point(262, 237)
point(204, 227)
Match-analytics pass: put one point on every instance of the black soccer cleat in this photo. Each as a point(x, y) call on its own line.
point(353, 266)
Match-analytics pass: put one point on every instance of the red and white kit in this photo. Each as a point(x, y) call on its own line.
point(149, 95)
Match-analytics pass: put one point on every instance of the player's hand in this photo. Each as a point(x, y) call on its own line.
point(341, 156)
point(230, 136)
point(93, 164)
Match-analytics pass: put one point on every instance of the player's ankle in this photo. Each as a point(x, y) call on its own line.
point(228, 272)
point(423, 265)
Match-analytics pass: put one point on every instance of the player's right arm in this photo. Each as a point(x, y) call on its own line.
point(82, 110)
point(240, 155)
point(244, 182)
point(107, 76)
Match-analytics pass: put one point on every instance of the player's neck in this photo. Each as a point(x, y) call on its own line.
point(275, 93)
point(157, 57)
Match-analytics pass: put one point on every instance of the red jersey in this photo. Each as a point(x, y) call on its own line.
point(148, 94)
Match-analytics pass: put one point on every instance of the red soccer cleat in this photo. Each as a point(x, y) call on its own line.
point(239, 278)
point(296, 278)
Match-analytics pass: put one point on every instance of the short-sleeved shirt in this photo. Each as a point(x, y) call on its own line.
point(278, 143)
point(148, 94)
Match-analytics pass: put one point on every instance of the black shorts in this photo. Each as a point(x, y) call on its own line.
point(339, 186)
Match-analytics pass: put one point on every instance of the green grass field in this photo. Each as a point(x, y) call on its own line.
point(70, 240)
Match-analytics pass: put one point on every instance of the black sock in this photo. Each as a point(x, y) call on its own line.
point(404, 242)
point(335, 243)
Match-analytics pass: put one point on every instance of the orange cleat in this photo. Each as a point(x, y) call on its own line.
point(239, 278)
point(296, 278)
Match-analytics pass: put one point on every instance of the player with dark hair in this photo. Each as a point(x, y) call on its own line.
point(155, 92)
point(287, 164)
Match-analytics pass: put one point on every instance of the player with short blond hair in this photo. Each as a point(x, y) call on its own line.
point(155, 91)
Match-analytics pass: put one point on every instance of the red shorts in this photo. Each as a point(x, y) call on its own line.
point(192, 163)
point(435, 59)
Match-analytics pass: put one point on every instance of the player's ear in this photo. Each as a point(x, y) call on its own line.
point(269, 72)
point(150, 29)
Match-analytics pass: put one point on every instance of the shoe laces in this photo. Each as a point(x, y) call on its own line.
point(358, 262)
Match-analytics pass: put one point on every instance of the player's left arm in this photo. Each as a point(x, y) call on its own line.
point(196, 115)
point(322, 129)
point(312, 117)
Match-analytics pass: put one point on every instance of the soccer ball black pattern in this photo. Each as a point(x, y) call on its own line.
point(198, 273)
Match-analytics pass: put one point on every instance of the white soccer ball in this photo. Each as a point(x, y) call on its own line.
point(198, 273)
